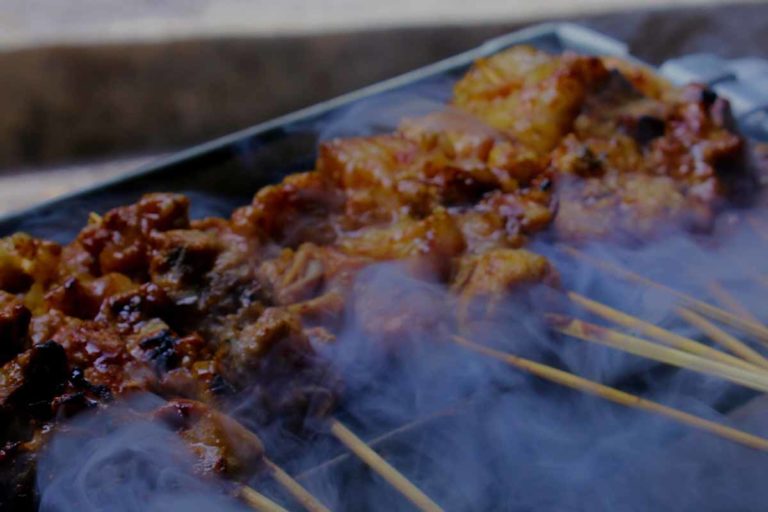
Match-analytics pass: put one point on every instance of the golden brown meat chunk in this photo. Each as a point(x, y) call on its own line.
point(120, 241)
point(220, 444)
point(498, 271)
point(299, 209)
point(529, 94)
point(635, 166)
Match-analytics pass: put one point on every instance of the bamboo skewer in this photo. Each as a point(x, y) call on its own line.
point(670, 338)
point(372, 443)
point(258, 501)
point(356, 446)
point(288, 483)
point(758, 330)
point(640, 347)
point(294, 488)
point(732, 343)
point(617, 396)
point(383, 468)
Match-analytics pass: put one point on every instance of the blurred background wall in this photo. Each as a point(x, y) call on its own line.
point(109, 83)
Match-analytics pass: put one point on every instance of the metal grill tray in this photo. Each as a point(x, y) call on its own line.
point(226, 172)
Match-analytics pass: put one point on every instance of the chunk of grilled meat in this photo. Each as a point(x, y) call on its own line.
point(630, 154)
point(221, 444)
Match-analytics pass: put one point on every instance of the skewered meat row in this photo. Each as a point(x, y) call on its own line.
point(147, 299)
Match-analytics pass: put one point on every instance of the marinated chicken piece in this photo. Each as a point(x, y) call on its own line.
point(130, 311)
point(276, 331)
point(309, 271)
point(83, 297)
point(379, 177)
point(120, 241)
point(274, 359)
point(530, 95)
point(28, 385)
point(483, 230)
point(14, 326)
point(295, 275)
point(102, 353)
point(489, 277)
point(220, 444)
point(628, 168)
point(632, 206)
point(297, 210)
point(469, 154)
point(429, 244)
point(180, 259)
point(28, 266)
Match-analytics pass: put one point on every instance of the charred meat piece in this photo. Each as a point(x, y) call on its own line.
point(83, 297)
point(28, 385)
point(628, 168)
point(532, 96)
point(429, 243)
point(27, 265)
point(221, 444)
point(379, 177)
point(14, 326)
point(496, 272)
point(119, 241)
point(275, 363)
point(298, 210)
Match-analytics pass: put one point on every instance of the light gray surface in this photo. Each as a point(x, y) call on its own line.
point(29, 22)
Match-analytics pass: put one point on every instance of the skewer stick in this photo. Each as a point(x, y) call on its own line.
point(640, 347)
point(617, 396)
point(732, 343)
point(372, 443)
point(758, 330)
point(294, 488)
point(291, 486)
point(729, 302)
point(383, 468)
point(670, 338)
point(258, 501)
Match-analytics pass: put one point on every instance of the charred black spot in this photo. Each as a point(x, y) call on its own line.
point(78, 380)
point(708, 97)
point(221, 387)
point(70, 404)
point(16, 282)
point(587, 164)
point(17, 479)
point(162, 351)
point(45, 376)
point(126, 306)
point(545, 185)
point(174, 257)
point(649, 128)
point(13, 332)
